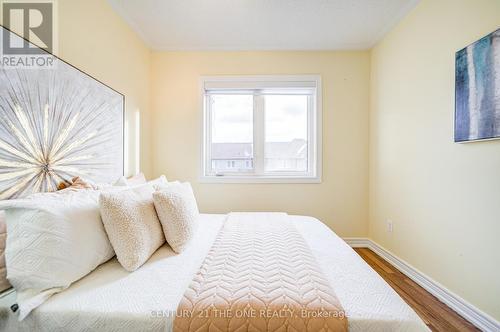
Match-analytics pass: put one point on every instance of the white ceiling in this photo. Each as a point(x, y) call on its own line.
point(262, 24)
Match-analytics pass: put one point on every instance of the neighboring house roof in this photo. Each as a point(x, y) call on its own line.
point(296, 149)
point(231, 151)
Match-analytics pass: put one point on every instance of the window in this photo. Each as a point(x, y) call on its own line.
point(261, 129)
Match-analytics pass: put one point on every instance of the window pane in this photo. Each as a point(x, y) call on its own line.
point(232, 133)
point(286, 133)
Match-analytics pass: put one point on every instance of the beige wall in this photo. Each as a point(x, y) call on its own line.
point(92, 37)
point(340, 201)
point(397, 162)
point(444, 198)
point(95, 39)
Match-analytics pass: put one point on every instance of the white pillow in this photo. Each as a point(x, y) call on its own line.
point(121, 182)
point(53, 240)
point(178, 212)
point(158, 182)
point(137, 180)
point(132, 225)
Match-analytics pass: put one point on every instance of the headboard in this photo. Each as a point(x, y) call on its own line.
point(55, 123)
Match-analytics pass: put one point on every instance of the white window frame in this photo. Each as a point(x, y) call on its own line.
point(314, 132)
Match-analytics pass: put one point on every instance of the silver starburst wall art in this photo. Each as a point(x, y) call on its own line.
point(56, 124)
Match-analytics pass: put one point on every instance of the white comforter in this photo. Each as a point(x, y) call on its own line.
point(112, 299)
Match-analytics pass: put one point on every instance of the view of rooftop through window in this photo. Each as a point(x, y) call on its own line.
point(285, 132)
point(232, 132)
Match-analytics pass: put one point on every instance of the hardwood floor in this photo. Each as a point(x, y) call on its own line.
point(434, 313)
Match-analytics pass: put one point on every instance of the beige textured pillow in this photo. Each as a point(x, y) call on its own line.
point(132, 225)
point(178, 212)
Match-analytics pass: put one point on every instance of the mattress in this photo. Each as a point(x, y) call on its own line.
point(112, 299)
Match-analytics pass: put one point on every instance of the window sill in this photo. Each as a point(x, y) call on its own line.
point(260, 179)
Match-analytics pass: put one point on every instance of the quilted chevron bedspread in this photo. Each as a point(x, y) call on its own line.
point(259, 275)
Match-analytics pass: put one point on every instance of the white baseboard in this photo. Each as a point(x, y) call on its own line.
point(358, 242)
point(480, 319)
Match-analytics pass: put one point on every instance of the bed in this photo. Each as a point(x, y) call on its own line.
point(112, 299)
point(59, 253)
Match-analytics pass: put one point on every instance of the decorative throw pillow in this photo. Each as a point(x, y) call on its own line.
point(178, 212)
point(132, 225)
point(76, 184)
point(53, 240)
point(79, 183)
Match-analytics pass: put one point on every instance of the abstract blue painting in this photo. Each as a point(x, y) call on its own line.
point(477, 90)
